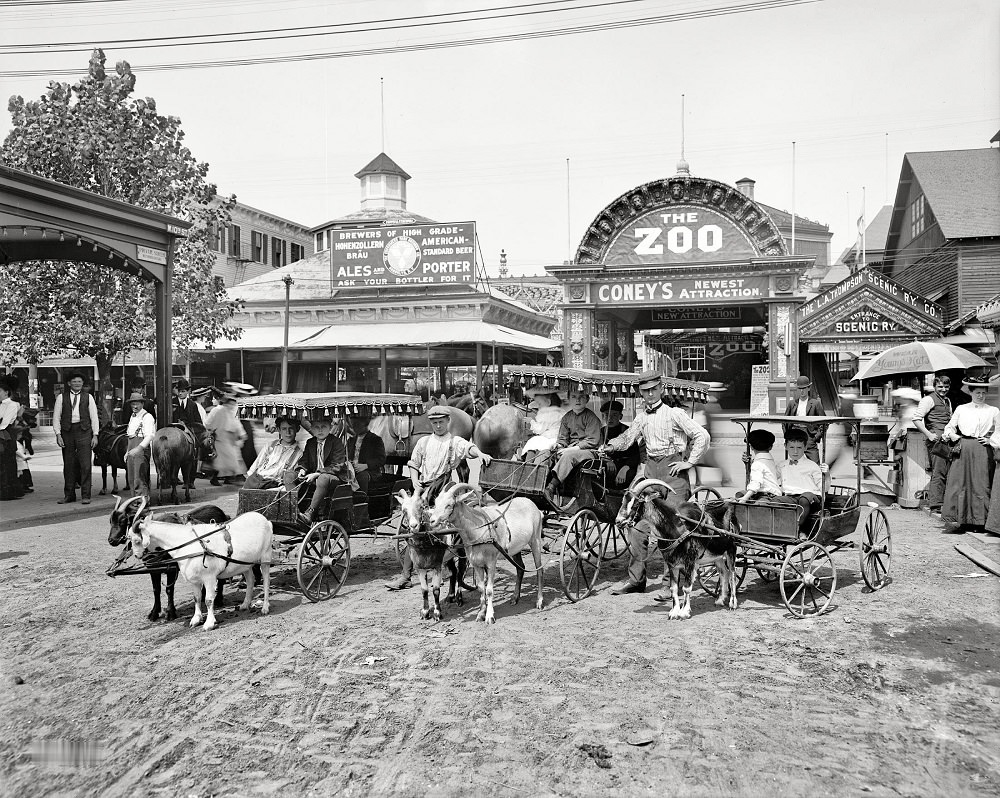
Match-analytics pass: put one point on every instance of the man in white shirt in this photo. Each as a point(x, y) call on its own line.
point(931, 417)
point(669, 433)
point(141, 429)
point(74, 420)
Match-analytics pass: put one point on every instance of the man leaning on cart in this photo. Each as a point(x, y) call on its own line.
point(668, 433)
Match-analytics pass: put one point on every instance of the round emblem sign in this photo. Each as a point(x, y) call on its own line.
point(401, 256)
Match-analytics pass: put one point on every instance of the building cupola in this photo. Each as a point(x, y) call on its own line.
point(745, 186)
point(383, 184)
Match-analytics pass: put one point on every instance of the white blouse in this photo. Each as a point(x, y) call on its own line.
point(974, 421)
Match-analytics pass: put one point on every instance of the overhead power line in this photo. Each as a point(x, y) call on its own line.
point(658, 19)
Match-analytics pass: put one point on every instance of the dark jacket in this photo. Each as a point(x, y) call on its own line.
point(333, 459)
point(188, 414)
point(372, 452)
point(814, 407)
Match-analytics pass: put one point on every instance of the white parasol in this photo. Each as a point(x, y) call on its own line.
point(919, 357)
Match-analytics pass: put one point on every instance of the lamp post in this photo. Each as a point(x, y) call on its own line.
point(287, 280)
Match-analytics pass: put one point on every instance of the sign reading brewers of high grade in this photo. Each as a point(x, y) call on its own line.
point(404, 255)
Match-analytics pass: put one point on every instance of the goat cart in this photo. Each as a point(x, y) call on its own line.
point(583, 518)
point(321, 551)
point(774, 541)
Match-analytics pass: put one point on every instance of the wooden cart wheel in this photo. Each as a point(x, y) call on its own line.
point(808, 579)
point(324, 560)
point(876, 551)
point(765, 574)
point(704, 495)
point(580, 555)
point(710, 579)
point(617, 541)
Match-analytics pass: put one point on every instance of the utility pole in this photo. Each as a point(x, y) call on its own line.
point(287, 280)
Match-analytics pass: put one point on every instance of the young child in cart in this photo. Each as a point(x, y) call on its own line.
point(765, 478)
point(323, 463)
point(801, 478)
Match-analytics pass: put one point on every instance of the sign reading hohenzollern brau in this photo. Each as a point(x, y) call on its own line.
point(404, 255)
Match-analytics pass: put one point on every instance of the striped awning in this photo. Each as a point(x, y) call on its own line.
point(754, 329)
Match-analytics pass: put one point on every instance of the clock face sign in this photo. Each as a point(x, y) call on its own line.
point(401, 256)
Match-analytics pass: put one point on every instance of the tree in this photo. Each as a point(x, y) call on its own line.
point(95, 136)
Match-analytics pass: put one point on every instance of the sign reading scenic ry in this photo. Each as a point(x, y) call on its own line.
point(404, 255)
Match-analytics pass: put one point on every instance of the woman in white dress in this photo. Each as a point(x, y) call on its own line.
point(229, 436)
point(967, 492)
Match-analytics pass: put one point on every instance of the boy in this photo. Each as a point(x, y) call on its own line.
point(324, 462)
point(801, 478)
point(765, 481)
point(433, 459)
point(579, 437)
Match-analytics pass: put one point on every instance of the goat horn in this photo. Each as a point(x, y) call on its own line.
point(118, 503)
point(642, 485)
point(452, 492)
point(138, 513)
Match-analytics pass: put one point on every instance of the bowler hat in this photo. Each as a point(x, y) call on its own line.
point(612, 405)
point(649, 378)
point(802, 381)
point(136, 397)
point(182, 385)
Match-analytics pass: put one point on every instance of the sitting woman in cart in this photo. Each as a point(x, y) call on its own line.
point(765, 477)
point(579, 437)
point(324, 462)
point(434, 458)
point(278, 456)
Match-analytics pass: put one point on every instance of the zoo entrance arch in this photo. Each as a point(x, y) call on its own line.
point(41, 219)
point(673, 253)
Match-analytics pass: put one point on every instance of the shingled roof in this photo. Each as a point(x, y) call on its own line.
point(961, 187)
point(382, 164)
point(783, 220)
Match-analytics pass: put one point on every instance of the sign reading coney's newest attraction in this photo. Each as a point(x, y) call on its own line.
point(680, 235)
point(691, 291)
point(404, 255)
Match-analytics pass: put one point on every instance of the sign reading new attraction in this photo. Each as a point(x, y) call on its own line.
point(709, 289)
point(680, 235)
point(404, 255)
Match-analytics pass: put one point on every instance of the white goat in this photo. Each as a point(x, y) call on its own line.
point(200, 549)
point(512, 526)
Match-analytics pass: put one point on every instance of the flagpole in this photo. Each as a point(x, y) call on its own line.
point(863, 190)
point(793, 198)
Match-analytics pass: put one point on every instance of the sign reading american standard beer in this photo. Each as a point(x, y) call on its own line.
point(709, 289)
point(404, 255)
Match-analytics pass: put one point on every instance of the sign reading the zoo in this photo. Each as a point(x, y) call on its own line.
point(404, 255)
point(680, 235)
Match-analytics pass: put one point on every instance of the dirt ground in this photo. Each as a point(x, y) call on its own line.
point(891, 693)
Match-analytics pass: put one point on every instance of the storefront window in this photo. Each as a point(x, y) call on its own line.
point(692, 359)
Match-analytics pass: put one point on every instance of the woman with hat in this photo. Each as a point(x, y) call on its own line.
point(140, 431)
point(803, 404)
point(10, 485)
point(967, 492)
point(229, 436)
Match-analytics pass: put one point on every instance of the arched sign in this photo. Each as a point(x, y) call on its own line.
point(681, 221)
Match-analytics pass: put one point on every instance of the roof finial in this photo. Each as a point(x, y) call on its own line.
point(682, 165)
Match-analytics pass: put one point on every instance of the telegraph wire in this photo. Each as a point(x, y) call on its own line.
point(761, 5)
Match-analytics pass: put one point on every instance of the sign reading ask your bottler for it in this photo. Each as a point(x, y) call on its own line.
point(403, 255)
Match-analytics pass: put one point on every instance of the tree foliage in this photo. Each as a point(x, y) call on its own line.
point(94, 135)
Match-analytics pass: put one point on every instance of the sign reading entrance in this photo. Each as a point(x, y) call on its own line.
point(648, 292)
point(404, 255)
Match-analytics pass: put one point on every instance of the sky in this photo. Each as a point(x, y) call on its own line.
point(531, 137)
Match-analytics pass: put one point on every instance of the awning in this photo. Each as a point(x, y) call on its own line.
point(756, 329)
point(262, 338)
point(427, 333)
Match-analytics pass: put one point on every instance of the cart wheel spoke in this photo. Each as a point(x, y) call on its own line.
point(805, 572)
point(876, 550)
point(580, 555)
point(324, 561)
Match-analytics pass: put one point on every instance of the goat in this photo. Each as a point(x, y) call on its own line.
point(122, 517)
point(207, 553)
point(684, 550)
point(429, 552)
point(485, 531)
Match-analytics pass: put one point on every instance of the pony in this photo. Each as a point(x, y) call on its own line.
point(499, 431)
point(177, 448)
point(112, 444)
point(122, 518)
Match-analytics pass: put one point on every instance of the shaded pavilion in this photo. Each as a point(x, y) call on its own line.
point(43, 220)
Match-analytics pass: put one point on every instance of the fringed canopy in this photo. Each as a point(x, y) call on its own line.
point(333, 404)
point(611, 383)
